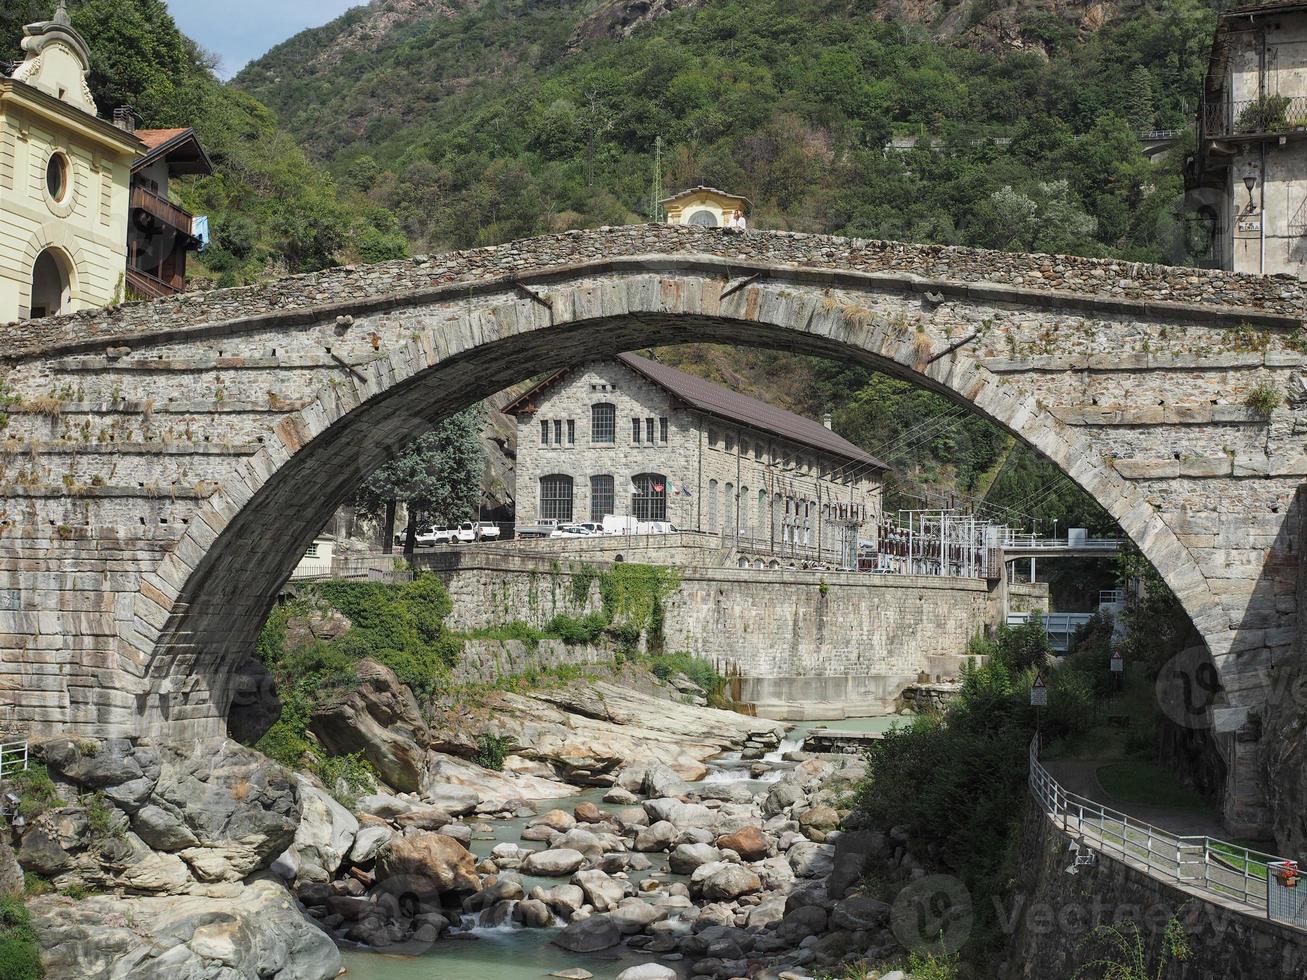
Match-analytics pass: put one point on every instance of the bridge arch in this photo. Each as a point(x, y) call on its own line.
point(200, 611)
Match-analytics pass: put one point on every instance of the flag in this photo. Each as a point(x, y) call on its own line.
point(686, 490)
point(658, 488)
point(635, 491)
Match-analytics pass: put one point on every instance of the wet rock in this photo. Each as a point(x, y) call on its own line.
point(552, 863)
point(648, 971)
point(589, 935)
point(633, 916)
point(588, 813)
point(559, 820)
point(533, 914)
point(563, 899)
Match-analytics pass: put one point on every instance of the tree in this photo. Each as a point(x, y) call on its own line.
point(437, 476)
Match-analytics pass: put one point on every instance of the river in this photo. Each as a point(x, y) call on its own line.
point(527, 954)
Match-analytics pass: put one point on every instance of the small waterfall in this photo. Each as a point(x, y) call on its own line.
point(790, 743)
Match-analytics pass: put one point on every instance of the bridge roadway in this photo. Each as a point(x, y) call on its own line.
point(165, 465)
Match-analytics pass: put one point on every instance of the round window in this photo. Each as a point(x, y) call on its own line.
point(56, 176)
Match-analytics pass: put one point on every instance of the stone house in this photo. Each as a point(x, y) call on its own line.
point(635, 438)
point(1247, 183)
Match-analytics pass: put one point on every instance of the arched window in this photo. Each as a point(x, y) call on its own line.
point(556, 497)
point(51, 289)
point(649, 502)
point(602, 497)
point(704, 219)
point(712, 505)
point(744, 508)
point(603, 423)
point(729, 523)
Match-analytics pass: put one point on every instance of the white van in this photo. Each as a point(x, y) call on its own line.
point(621, 525)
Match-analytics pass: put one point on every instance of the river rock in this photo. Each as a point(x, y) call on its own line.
point(588, 813)
point(424, 818)
point(685, 858)
point(553, 863)
point(559, 820)
point(722, 882)
point(811, 860)
point(367, 842)
point(659, 780)
point(852, 852)
point(563, 899)
point(656, 837)
point(601, 891)
point(383, 805)
point(819, 818)
point(634, 916)
point(682, 815)
point(324, 836)
point(379, 717)
point(426, 864)
point(589, 935)
point(533, 914)
point(258, 931)
point(648, 971)
point(621, 797)
point(457, 801)
point(859, 912)
point(780, 796)
point(748, 842)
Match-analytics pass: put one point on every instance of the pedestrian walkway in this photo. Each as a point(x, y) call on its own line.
point(1080, 776)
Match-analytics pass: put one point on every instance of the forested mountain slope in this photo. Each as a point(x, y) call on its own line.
point(272, 210)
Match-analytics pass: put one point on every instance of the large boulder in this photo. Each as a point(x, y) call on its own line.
point(780, 797)
point(456, 800)
point(589, 935)
point(241, 807)
point(634, 916)
point(379, 718)
point(722, 882)
point(554, 863)
point(99, 764)
point(688, 857)
point(323, 838)
point(656, 837)
point(852, 852)
point(859, 912)
point(811, 860)
point(748, 842)
point(11, 873)
point(426, 864)
point(601, 891)
point(258, 931)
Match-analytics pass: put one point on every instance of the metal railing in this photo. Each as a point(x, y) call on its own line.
point(1225, 871)
point(13, 758)
point(1269, 115)
point(1028, 542)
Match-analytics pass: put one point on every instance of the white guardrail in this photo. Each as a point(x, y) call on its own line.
point(13, 758)
point(1228, 872)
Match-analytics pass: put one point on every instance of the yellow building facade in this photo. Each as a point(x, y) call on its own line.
point(65, 175)
point(704, 206)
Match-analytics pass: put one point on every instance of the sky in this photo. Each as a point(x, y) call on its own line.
point(241, 30)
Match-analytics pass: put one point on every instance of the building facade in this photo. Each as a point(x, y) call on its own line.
point(704, 206)
point(1247, 184)
point(161, 234)
point(631, 437)
point(64, 178)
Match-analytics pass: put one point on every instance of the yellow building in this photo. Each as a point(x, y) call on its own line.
point(705, 206)
point(65, 175)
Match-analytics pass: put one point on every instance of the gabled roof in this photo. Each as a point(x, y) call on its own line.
point(717, 400)
point(179, 147)
point(705, 189)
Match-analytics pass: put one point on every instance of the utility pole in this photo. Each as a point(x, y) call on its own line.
point(656, 192)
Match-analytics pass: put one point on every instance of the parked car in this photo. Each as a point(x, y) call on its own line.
point(486, 530)
point(427, 536)
point(465, 533)
point(540, 529)
point(592, 528)
point(571, 531)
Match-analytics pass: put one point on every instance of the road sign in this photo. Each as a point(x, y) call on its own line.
point(1117, 662)
point(1039, 693)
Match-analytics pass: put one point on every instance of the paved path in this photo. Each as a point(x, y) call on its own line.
point(1080, 776)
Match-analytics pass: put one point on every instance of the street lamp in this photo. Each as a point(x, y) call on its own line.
point(1250, 181)
point(1054, 528)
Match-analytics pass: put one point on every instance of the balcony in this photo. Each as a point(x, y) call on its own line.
point(162, 209)
point(1266, 118)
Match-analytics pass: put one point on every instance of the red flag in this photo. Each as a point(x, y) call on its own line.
point(658, 488)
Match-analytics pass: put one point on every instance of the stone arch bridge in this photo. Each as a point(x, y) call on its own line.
point(165, 465)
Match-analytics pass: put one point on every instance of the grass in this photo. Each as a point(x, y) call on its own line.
point(1136, 781)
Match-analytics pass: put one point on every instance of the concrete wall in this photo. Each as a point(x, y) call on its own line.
point(1056, 912)
point(796, 640)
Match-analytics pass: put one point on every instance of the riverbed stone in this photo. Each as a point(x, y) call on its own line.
point(748, 842)
point(809, 859)
point(601, 890)
point(685, 858)
point(426, 864)
point(720, 881)
point(656, 837)
point(553, 863)
point(589, 935)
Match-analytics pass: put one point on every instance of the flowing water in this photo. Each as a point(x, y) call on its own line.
point(509, 953)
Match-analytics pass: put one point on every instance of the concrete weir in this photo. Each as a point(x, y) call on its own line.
point(165, 465)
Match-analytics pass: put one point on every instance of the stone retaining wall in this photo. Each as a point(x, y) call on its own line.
point(486, 661)
point(1057, 912)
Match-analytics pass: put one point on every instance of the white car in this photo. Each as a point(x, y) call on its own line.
point(465, 533)
point(427, 537)
point(486, 530)
point(571, 531)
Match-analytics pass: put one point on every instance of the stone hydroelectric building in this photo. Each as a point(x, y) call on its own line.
point(635, 438)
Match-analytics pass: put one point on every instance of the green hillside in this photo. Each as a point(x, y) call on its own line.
point(272, 210)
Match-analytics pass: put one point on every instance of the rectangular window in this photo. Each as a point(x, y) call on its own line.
point(662, 430)
point(602, 497)
point(603, 423)
point(635, 430)
point(544, 433)
point(556, 498)
point(571, 432)
point(649, 431)
point(558, 431)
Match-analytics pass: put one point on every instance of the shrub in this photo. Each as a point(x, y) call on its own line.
point(37, 792)
point(1264, 399)
point(20, 959)
point(347, 777)
point(576, 632)
point(492, 750)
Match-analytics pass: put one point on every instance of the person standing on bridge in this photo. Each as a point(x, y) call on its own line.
point(737, 222)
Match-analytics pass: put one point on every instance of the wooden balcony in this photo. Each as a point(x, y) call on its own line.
point(151, 286)
point(162, 209)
